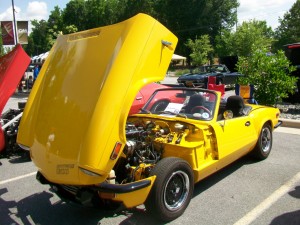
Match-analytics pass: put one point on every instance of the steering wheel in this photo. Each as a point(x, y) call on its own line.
point(201, 107)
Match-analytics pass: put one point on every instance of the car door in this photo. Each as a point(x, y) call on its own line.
point(238, 135)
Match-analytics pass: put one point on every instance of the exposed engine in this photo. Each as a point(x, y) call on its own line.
point(144, 148)
point(10, 122)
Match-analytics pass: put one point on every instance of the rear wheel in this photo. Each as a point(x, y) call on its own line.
point(264, 143)
point(172, 190)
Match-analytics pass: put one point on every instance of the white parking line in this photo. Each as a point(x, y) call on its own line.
point(268, 202)
point(17, 178)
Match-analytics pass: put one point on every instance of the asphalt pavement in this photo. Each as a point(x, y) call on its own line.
point(246, 192)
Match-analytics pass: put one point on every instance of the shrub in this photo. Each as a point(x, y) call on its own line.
point(181, 72)
point(270, 74)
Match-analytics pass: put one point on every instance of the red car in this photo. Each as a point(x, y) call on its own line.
point(12, 67)
point(143, 96)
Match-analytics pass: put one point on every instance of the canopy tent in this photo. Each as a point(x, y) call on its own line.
point(178, 57)
point(39, 58)
point(178, 60)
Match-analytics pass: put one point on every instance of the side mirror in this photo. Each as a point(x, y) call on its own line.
point(228, 114)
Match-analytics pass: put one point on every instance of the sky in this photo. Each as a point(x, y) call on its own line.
point(269, 10)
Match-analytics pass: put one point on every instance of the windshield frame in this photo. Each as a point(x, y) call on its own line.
point(179, 107)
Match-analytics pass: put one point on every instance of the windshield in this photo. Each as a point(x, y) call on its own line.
point(182, 102)
point(210, 69)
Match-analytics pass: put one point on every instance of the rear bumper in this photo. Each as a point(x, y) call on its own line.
point(123, 188)
point(278, 124)
point(130, 195)
point(106, 187)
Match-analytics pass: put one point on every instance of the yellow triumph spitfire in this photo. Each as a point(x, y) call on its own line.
point(89, 151)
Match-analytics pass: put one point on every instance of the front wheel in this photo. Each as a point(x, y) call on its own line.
point(172, 190)
point(264, 143)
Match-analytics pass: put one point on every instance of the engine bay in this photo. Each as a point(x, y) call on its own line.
point(146, 145)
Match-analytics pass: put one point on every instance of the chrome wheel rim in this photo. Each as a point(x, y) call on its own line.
point(176, 190)
point(266, 139)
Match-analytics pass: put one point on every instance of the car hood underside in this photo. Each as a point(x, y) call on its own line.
point(77, 110)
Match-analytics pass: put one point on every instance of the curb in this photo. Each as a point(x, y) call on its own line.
point(290, 123)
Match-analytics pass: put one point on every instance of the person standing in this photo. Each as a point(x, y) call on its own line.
point(36, 72)
point(30, 82)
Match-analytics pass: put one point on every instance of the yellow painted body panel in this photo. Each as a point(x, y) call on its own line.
point(80, 101)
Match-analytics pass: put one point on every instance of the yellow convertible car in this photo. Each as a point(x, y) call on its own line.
point(88, 149)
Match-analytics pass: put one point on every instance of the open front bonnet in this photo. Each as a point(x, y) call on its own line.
point(77, 110)
point(12, 67)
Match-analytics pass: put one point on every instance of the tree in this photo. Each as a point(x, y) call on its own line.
point(39, 40)
point(129, 8)
point(101, 13)
point(92, 13)
point(186, 19)
point(191, 18)
point(55, 24)
point(289, 29)
point(201, 50)
point(75, 14)
point(241, 42)
point(270, 74)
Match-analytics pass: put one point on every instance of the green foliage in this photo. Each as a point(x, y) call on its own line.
point(129, 8)
point(91, 13)
point(241, 42)
point(70, 29)
point(201, 49)
point(55, 24)
point(289, 29)
point(75, 14)
point(181, 72)
point(190, 18)
point(39, 40)
point(187, 19)
point(269, 74)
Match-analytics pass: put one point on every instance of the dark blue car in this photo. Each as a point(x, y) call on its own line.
point(199, 77)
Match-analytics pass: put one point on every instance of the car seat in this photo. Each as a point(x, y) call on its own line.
point(195, 100)
point(235, 103)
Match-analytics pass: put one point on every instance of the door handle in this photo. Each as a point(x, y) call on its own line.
point(139, 98)
point(247, 124)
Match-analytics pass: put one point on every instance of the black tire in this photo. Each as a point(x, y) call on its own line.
point(159, 106)
point(172, 190)
point(264, 144)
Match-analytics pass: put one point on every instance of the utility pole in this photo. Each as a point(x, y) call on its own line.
point(15, 25)
point(236, 12)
